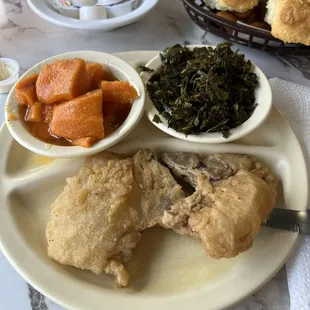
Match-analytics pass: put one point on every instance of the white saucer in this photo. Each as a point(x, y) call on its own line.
point(44, 10)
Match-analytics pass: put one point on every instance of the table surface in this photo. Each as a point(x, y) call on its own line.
point(29, 39)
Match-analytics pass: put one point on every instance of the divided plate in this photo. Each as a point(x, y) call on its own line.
point(167, 271)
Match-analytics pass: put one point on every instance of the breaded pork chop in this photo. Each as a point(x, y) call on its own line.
point(159, 190)
point(234, 195)
point(94, 220)
point(97, 219)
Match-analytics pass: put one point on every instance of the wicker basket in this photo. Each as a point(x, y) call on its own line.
point(238, 32)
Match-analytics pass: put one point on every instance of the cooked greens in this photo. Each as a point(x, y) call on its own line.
point(156, 119)
point(204, 89)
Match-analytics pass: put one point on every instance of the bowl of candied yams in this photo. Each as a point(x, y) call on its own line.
point(75, 104)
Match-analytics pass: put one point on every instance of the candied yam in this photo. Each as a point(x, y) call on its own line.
point(35, 113)
point(114, 116)
point(25, 90)
point(117, 103)
point(63, 80)
point(84, 142)
point(79, 118)
point(95, 75)
point(118, 92)
point(48, 112)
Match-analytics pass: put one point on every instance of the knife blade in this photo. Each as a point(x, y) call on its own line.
point(291, 220)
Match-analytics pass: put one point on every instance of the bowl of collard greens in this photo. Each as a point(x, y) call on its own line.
point(206, 94)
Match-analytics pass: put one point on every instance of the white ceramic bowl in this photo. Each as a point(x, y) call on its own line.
point(119, 68)
point(45, 11)
point(263, 97)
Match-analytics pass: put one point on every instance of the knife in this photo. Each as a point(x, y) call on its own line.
point(291, 220)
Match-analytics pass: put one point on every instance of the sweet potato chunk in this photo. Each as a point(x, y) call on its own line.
point(114, 115)
point(117, 101)
point(48, 112)
point(118, 92)
point(63, 80)
point(25, 90)
point(35, 113)
point(79, 118)
point(84, 142)
point(95, 75)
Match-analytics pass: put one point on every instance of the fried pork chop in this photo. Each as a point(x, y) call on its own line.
point(159, 190)
point(234, 195)
point(94, 220)
point(97, 220)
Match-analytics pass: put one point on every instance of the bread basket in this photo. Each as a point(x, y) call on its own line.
point(239, 32)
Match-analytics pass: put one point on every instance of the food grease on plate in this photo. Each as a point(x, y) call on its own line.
point(187, 267)
point(37, 162)
point(100, 216)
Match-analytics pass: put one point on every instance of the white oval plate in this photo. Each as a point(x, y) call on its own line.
point(43, 9)
point(168, 272)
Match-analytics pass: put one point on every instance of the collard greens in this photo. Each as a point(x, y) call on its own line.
point(204, 89)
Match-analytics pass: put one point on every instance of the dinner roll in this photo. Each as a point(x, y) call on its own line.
point(289, 20)
point(231, 5)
